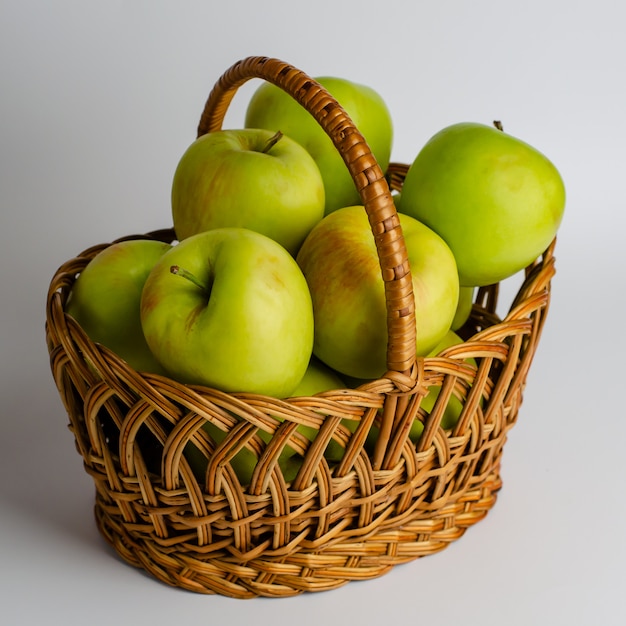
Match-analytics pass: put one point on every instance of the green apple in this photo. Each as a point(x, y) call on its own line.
point(243, 462)
point(340, 262)
point(454, 407)
point(495, 200)
point(271, 107)
point(316, 379)
point(463, 308)
point(229, 308)
point(449, 339)
point(248, 178)
point(105, 299)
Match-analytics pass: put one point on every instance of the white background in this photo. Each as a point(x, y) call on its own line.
point(98, 102)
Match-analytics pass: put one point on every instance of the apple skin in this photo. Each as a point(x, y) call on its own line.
point(243, 462)
point(106, 296)
point(341, 265)
point(252, 333)
point(271, 107)
point(463, 308)
point(495, 200)
point(283, 194)
point(316, 379)
point(453, 409)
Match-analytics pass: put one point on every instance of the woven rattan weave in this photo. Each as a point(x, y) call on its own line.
point(377, 507)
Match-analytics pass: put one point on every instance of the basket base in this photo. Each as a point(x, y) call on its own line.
point(176, 562)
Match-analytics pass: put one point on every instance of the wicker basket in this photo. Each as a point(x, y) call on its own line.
point(334, 522)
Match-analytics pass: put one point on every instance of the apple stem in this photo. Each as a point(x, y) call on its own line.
point(498, 125)
point(271, 142)
point(181, 271)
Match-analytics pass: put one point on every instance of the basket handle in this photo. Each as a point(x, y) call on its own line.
point(366, 173)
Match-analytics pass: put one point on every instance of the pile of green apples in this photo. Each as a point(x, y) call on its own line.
point(273, 284)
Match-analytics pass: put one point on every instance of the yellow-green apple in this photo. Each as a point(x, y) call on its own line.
point(494, 199)
point(229, 308)
point(243, 462)
point(248, 178)
point(316, 379)
point(271, 107)
point(452, 410)
point(340, 262)
point(449, 339)
point(454, 406)
point(105, 299)
point(463, 308)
